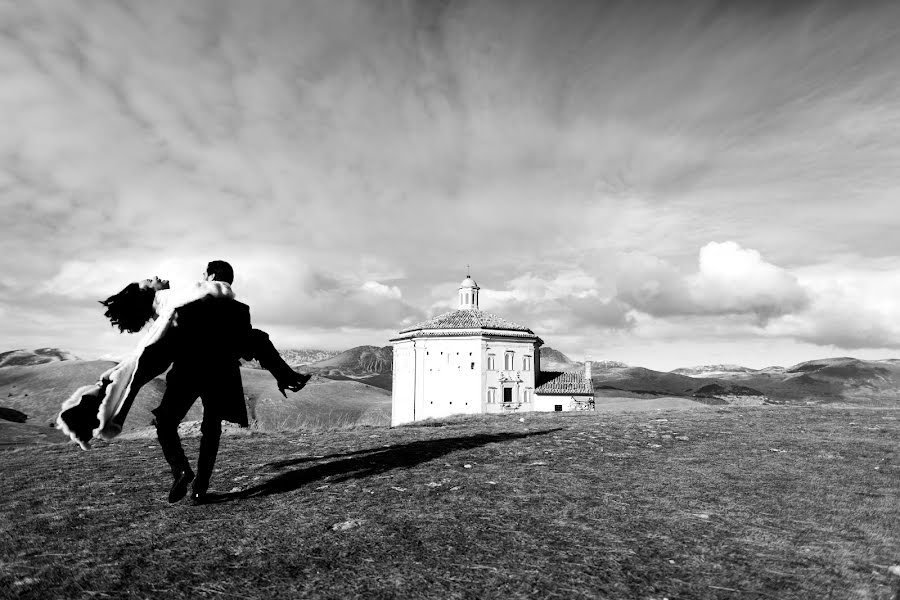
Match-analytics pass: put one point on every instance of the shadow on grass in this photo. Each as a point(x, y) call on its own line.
point(361, 464)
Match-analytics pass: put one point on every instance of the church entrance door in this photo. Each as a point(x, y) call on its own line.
point(507, 394)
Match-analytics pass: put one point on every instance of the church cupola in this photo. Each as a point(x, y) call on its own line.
point(468, 294)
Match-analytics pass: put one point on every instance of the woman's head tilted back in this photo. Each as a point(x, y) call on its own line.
point(130, 309)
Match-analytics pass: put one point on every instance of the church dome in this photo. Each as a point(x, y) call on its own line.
point(468, 282)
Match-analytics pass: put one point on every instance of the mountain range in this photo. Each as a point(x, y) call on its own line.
point(354, 386)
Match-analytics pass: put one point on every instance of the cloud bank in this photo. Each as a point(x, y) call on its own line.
point(351, 157)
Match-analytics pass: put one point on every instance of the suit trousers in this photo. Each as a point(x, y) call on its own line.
point(180, 395)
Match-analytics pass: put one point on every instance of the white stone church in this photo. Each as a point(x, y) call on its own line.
point(468, 361)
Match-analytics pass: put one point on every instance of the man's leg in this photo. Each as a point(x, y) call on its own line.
point(171, 410)
point(211, 433)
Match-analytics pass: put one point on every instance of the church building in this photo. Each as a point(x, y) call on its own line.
point(468, 361)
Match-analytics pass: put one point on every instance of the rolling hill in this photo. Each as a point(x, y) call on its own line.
point(831, 380)
point(37, 391)
point(23, 358)
point(298, 358)
point(554, 360)
point(354, 387)
point(361, 361)
point(713, 371)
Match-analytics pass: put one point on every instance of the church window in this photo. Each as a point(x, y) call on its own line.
point(492, 395)
point(491, 365)
point(527, 397)
point(526, 364)
point(508, 361)
point(472, 367)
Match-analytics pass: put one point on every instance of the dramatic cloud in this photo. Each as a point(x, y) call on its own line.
point(348, 157)
point(729, 280)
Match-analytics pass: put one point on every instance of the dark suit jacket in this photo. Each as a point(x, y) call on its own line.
point(205, 346)
point(203, 350)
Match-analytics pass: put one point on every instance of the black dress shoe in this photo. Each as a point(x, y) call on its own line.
point(180, 485)
point(207, 498)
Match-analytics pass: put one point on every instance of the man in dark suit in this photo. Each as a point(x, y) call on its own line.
point(210, 337)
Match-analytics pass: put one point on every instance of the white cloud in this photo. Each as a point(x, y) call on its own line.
point(729, 280)
point(732, 279)
point(569, 300)
point(853, 306)
point(288, 292)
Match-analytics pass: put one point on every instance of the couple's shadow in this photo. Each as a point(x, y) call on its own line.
point(360, 464)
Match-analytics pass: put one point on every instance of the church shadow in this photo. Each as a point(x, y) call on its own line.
point(361, 464)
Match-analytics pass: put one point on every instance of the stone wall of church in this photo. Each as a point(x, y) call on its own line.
point(403, 391)
point(451, 377)
point(438, 377)
point(509, 377)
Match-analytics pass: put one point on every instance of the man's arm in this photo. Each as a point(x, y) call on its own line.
point(259, 347)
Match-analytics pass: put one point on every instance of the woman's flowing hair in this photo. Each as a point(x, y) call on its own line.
point(130, 309)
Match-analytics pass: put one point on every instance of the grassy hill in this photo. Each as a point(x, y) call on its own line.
point(39, 390)
point(768, 502)
point(830, 381)
point(323, 402)
point(647, 381)
point(21, 358)
point(356, 362)
point(554, 360)
point(297, 358)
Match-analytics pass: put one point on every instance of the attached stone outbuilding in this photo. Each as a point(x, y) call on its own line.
point(563, 392)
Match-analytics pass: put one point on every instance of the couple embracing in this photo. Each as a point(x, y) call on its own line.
point(201, 333)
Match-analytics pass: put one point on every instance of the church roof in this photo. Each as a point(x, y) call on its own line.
point(468, 318)
point(568, 384)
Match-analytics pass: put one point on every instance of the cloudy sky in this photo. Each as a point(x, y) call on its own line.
point(662, 183)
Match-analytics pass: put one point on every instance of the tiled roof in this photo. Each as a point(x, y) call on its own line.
point(467, 319)
point(554, 382)
point(464, 333)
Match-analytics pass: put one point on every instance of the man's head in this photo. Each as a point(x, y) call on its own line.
point(219, 270)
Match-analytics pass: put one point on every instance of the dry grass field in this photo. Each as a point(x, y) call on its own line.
point(713, 502)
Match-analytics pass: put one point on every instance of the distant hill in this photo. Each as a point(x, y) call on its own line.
point(643, 381)
point(22, 358)
point(712, 370)
point(728, 389)
point(354, 386)
point(608, 364)
point(362, 361)
point(831, 380)
point(324, 402)
point(554, 360)
point(38, 391)
point(298, 358)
